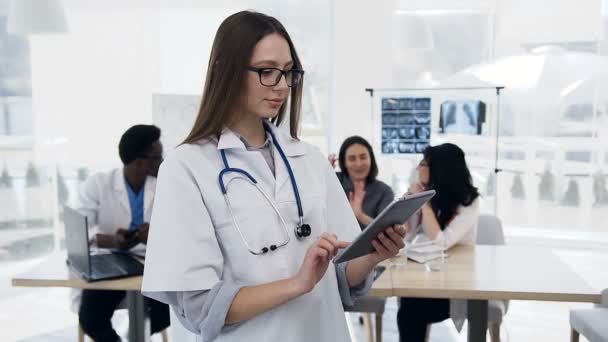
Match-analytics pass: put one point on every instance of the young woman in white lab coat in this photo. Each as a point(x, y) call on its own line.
point(233, 268)
point(450, 218)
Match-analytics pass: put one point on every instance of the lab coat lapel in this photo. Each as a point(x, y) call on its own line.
point(149, 189)
point(238, 157)
point(280, 174)
point(229, 140)
point(292, 148)
point(120, 192)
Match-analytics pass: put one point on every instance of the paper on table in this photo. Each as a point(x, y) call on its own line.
point(422, 258)
point(425, 248)
point(424, 252)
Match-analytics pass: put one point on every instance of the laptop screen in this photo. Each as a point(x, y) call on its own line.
point(77, 240)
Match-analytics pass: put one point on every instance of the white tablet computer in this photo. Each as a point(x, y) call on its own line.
point(397, 212)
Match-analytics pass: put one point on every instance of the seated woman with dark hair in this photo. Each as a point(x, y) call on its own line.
point(367, 195)
point(449, 218)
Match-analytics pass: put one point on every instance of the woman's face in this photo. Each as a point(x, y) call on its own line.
point(357, 161)
point(261, 101)
point(423, 172)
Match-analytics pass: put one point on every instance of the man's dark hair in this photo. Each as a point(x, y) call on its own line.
point(137, 141)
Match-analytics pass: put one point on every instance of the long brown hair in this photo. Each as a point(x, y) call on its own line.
point(231, 53)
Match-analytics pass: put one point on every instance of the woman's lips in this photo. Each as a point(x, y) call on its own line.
point(275, 103)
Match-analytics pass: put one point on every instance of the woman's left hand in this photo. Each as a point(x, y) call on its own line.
point(389, 243)
point(356, 198)
point(356, 201)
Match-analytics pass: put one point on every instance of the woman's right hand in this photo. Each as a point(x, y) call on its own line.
point(317, 259)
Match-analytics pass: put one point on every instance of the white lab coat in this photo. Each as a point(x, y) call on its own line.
point(193, 243)
point(104, 200)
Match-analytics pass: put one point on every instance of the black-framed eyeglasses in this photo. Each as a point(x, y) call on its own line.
point(270, 77)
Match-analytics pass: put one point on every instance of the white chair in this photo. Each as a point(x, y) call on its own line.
point(489, 232)
point(591, 323)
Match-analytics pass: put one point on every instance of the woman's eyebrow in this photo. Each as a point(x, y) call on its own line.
point(266, 62)
point(272, 63)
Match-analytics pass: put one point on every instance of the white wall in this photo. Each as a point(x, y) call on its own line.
point(361, 59)
point(92, 83)
point(186, 36)
point(524, 22)
point(95, 81)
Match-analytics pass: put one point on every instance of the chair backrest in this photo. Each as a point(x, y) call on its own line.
point(489, 231)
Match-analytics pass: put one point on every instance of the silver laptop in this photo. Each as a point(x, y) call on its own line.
point(93, 267)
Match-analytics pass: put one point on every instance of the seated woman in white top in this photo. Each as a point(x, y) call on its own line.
point(450, 218)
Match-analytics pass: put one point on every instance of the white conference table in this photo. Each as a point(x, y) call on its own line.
point(54, 272)
point(482, 273)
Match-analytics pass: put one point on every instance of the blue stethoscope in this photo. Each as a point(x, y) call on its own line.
point(301, 230)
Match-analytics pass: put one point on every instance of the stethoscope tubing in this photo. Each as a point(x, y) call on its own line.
point(254, 182)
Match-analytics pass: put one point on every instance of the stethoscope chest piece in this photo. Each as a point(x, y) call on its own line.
point(302, 231)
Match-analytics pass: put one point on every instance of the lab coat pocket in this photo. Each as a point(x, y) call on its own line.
point(256, 227)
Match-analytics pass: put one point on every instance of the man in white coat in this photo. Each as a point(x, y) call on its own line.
point(118, 205)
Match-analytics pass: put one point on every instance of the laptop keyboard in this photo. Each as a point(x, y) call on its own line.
point(127, 263)
point(112, 264)
point(101, 265)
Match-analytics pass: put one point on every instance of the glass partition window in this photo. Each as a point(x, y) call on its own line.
point(553, 128)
